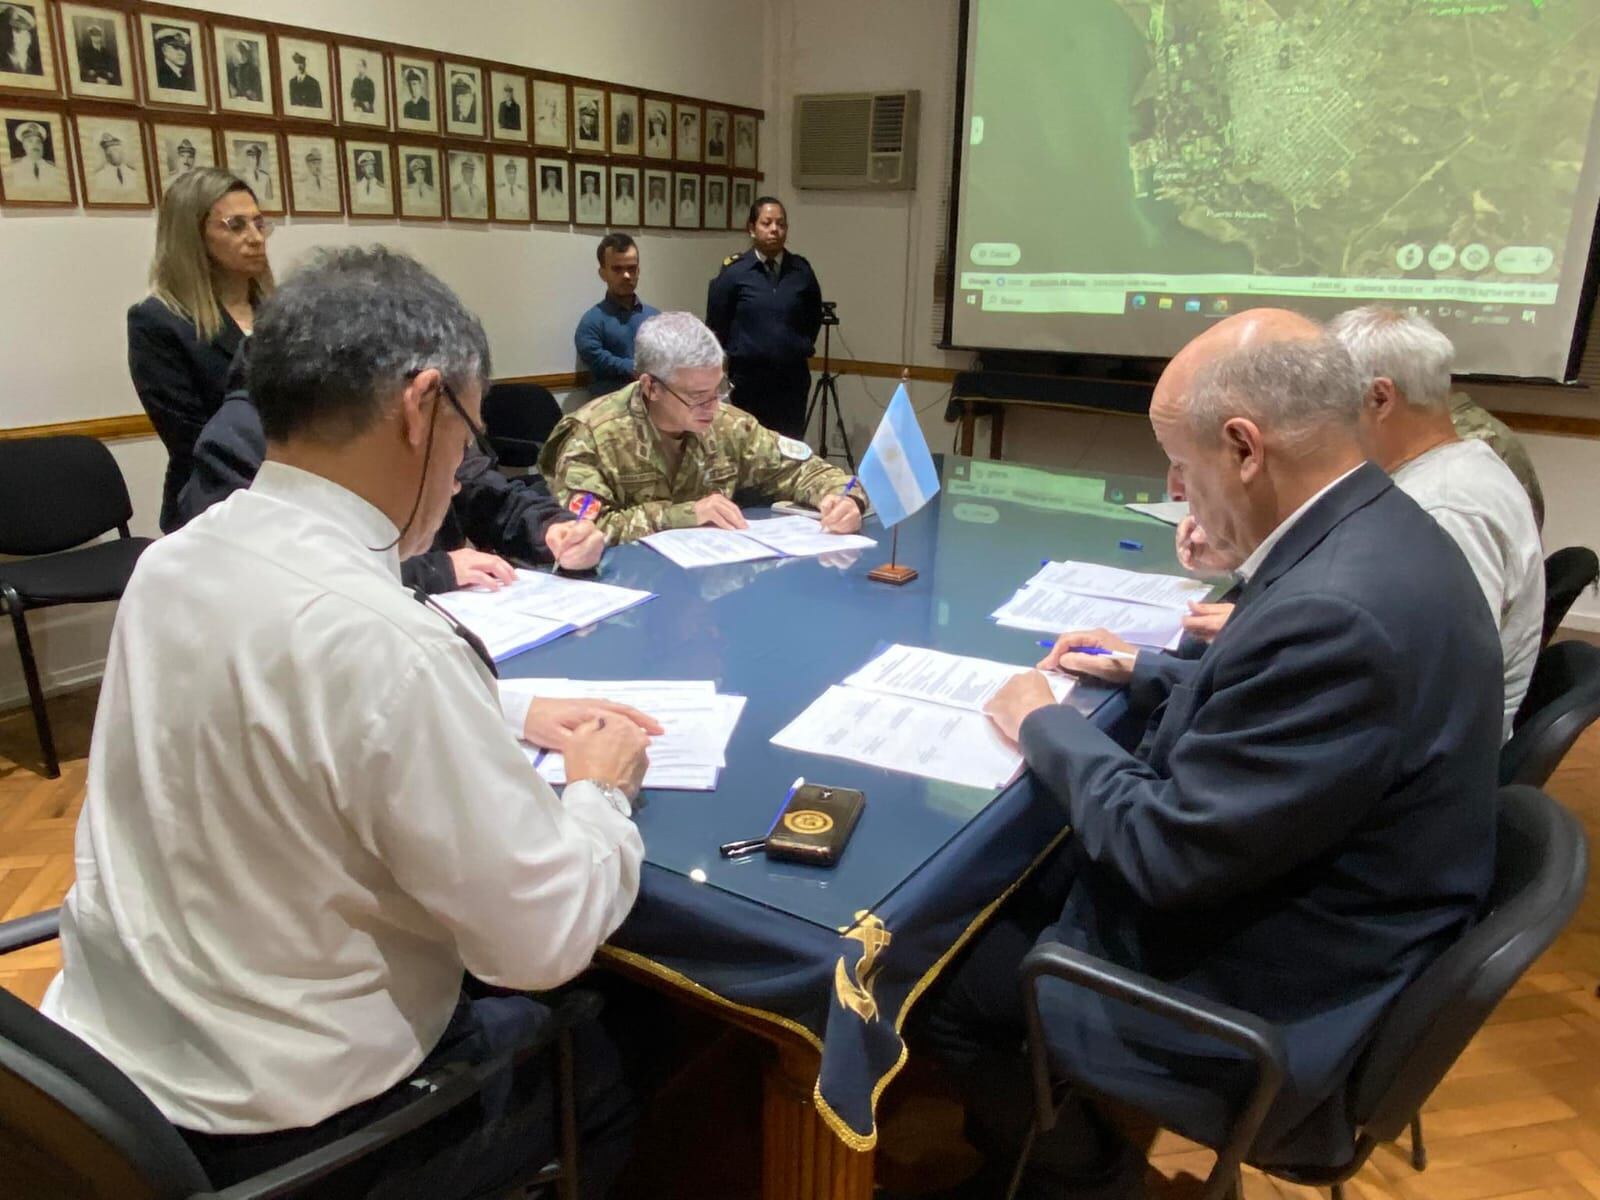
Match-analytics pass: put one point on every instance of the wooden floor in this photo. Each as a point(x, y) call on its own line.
point(1519, 1116)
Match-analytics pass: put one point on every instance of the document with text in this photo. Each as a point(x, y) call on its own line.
point(774, 537)
point(535, 609)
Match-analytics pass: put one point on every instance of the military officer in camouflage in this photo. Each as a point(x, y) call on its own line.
point(669, 451)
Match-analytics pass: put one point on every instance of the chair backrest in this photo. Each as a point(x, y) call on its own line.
point(71, 1124)
point(1563, 700)
point(1541, 860)
point(1566, 573)
point(519, 418)
point(58, 492)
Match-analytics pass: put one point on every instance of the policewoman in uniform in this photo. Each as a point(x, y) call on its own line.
point(766, 308)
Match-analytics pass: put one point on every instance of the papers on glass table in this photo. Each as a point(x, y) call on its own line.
point(1147, 610)
point(535, 609)
point(772, 537)
point(918, 711)
point(1168, 512)
point(698, 722)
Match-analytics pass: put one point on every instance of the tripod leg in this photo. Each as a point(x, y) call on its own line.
point(819, 396)
point(838, 422)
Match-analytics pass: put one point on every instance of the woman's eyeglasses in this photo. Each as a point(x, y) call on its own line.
point(238, 225)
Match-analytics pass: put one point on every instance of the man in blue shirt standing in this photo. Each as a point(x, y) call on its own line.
point(605, 333)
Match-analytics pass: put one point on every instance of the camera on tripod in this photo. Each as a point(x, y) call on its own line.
point(830, 312)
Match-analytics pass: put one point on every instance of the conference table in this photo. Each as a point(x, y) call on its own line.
point(827, 963)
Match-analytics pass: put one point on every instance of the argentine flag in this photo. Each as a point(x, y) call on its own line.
point(897, 470)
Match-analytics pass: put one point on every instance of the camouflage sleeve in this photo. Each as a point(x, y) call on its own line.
point(571, 463)
point(782, 467)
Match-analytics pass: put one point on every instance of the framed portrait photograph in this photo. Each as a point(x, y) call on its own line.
point(244, 72)
point(305, 79)
point(715, 212)
point(657, 199)
point(686, 201)
point(469, 185)
point(744, 141)
point(363, 85)
point(553, 203)
point(657, 128)
point(35, 168)
point(589, 119)
point(513, 197)
point(624, 195)
point(463, 96)
point(687, 132)
point(624, 123)
point(369, 179)
point(589, 194)
point(179, 149)
point(508, 100)
point(414, 93)
point(174, 53)
point(717, 131)
point(27, 50)
point(313, 175)
point(742, 197)
point(421, 197)
point(112, 162)
point(97, 57)
point(549, 113)
point(253, 155)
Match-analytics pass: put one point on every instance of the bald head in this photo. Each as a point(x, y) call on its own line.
point(1255, 327)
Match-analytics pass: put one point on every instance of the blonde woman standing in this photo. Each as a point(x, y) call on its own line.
point(209, 273)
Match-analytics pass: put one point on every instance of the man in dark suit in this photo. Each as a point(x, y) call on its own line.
point(363, 92)
point(244, 73)
point(305, 91)
point(174, 68)
point(1309, 820)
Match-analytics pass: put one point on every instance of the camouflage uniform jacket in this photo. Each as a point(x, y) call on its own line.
point(610, 450)
point(1472, 421)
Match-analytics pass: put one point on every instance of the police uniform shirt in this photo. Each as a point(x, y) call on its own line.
point(609, 449)
point(471, 200)
point(28, 177)
point(118, 179)
point(757, 318)
point(314, 763)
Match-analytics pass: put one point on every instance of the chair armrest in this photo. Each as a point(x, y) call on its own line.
point(30, 930)
point(451, 1087)
point(1257, 1039)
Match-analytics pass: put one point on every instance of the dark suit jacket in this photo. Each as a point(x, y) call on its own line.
point(506, 516)
point(756, 321)
point(181, 381)
point(1310, 824)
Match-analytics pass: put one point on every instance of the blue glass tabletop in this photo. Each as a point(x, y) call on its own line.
point(780, 631)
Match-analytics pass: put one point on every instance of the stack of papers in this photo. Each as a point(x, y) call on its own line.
point(535, 609)
point(698, 722)
point(917, 711)
point(1168, 512)
point(774, 537)
point(1147, 610)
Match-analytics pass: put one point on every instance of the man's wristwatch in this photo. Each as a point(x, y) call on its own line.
point(615, 796)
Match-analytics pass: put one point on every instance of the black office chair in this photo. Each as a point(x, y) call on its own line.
point(57, 493)
point(1563, 700)
point(519, 418)
point(71, 1124)
point(1541, 860)
point(1566, 573)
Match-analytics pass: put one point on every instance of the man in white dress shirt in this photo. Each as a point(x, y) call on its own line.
point(307, 812)
point(1461, 483)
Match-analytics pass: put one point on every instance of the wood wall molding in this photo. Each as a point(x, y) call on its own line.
point(887, 370)
point(107, 429)
point(1526, 422)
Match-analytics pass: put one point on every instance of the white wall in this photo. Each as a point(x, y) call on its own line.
point(877, 255)
point(63, 339)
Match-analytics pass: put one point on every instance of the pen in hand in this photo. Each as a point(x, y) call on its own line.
point(1093, 651)
point(583, 511)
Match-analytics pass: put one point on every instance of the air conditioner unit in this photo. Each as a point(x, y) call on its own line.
point(856, 140)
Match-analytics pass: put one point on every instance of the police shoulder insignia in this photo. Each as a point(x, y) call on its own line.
point(789, 448)
point(730, 260)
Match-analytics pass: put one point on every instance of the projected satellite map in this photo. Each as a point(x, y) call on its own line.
point(1364, 137)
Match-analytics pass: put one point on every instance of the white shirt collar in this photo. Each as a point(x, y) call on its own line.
point(1259, 555)
point(322, 496)
point(777, 258)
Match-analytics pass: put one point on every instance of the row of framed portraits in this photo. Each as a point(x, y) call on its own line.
point(128, 160)
point(178, 59)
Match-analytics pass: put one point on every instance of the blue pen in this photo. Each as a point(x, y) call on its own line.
point(751, 845)
point(1094, 651)
point(849, 486)
point(583, 511)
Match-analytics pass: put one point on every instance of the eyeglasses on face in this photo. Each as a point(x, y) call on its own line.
point(480, 435)
point(722, 395)
point(238, 225)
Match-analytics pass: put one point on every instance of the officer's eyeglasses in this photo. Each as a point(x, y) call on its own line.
point(237, 225)
point(480, 435)
point(722, 395)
